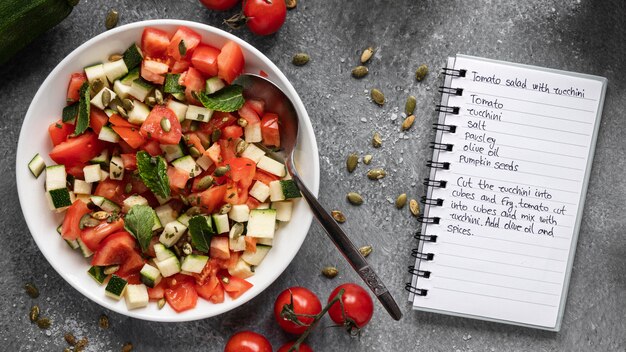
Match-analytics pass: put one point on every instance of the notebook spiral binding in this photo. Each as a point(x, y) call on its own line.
point(431, 183)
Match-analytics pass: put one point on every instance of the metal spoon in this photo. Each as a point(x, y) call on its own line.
point(276, 101)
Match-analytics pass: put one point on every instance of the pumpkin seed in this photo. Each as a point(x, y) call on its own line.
point(421, 72)
point(67, 349)
point(377, 141)
point(44, 323)
point(31, 290)
point(377, 96)
point(128, 347)
point(187, 248)
point(365, 250)
point(241, 147)
point(242, 122)
point(182, 48)
point(236, 230)
point(414, 207)
point(111, 269)
point(115, 57)
point(111, 19)
point(330, 272)
point(128, 104)
point(81, 344)
point(122, 112)
point(338, 216)
point(166, 125)
point(161, 303)
point(128, 188)
point(376, 174)
point(103, 321)
point(205, 183)
point(221, 171)
point(300, 59)
point(291, 4)
point(409, 106)
point(87, 221)
point(355, 198)
point(360, 72)
point(225, 208)
point(70, 338)
point(366, 55)
point(401, 201)
point(367, 159)
point(34, 313)
point(194, 152)
point(352, 161)
point(408, 122)
point(158, 96)
point(225, 280)
point(215, 136)
point(100, 215)
point(151, 101)
point(106, 97)
point(97, 85)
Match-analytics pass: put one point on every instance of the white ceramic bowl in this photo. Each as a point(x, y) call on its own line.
point(46, 108)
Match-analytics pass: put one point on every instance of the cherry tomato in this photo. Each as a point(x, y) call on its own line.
point(303, 347)
point(304, 302)
point(248, 341)
point(219, 5)
point(357, 303)
point(264, 17)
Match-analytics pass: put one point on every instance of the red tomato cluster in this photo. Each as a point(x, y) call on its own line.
point(262, 17)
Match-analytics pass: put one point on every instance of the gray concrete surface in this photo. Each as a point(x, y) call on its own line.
point(586, 36)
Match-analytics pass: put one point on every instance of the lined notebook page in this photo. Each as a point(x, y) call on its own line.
point(515, 187)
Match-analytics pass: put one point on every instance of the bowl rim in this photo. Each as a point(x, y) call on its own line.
point(305, 123)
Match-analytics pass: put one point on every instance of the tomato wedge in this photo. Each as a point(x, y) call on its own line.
point(92, 236)
point(117, 120)
point(112, 190)
point(193, 82)
point(157, 292)
point(218, 295)
point(248, 113)
point(230, 62)
point(219, 248)
point(76, 81)
point(269, 130)
point(153, 148)
point(130, 135)
point(213, 197)
point(129, 161)
point(242, 170)
point(59, 131)
point(232, 132)
point(77, 150)
point(152, 128)
point(154, 42)
point(264, 177)
point(154, 71)
point(182, 296)
point(119, 248)
point(190, 39)
point(234, 286)
point(207, 289)
point(70, 230)
point(204, 59)
point(178, 178)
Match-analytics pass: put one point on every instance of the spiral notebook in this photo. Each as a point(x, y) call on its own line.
point(504, 202)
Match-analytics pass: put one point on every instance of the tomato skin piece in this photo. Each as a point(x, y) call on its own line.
point(257, 105)
point(193, 82)
point(230, 62)
point(191, 39)
point(77, 150)
point(270, 130)
point(242, 170)
point(304, 302)
point(207, 289)
point(264, 17)
point(59, 131)
point(178, 178)
point(180, 66)
point(248, 341)
point(70, 229)
point(117, 120)
point(219, 5)
point(357, 303)
point(235, 286)
point(227, 150)
point(303, 347)
point(264, 177)
point(218, 295)
point(154, 71)
point(182, 297)
point(92, 236)
point(76, 81)
point(232, 132)
point(213, 197)
point(129, 161)
point(154, 42)
point(152, 147)
point(248, 113)
point(112, 190)
point(97, 119)
point(130, 135)
point(204, 59)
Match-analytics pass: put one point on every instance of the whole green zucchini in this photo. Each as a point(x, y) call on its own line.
point(21, 21)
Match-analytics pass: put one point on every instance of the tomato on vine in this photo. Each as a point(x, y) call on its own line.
point(303, 347)
point(219, 5)
point(248, 341)
point(358, 306)
point(263, 17)
point(292, 303)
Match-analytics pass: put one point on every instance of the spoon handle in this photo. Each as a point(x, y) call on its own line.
point(349, 251)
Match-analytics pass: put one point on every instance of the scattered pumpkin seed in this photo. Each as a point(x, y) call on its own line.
point(338, 216)
point(408, 122)
point(376, 174)
point(128, 104)
point(300, 59)
point(81, 344)
point(34, 313)
point(67, 349)
point(87, 221)
point(166, 125)
point(242, 122)
point(70, 338)
point(128, 347)
point(111, 269)
point(421, 72)
point(377, 96)
point(401, 201)
point(409, 106)
point(360, 72)
point(103, 321)
point(194, 152)
point(151, 101)
point(365, 250)
point(291, 4)
point(377, 141)
point(161, 303)
point(222, 170)
point(241, 147)
point(100, 215)
point(44, 323)
point(97, 85)
point(414, 207)
point(182, 48)
point(352, 161)
point(158, 96)
point(31, 290)
point(354, 198)
point(187, 248)
point(128, 188)
point(225, 208)
point(115, 57)
point(122, 112)
point(366, 55)
point(215, 136)
point(367, 159)
point(330, 272)
point(111, 20)
point(205, 183)
point(236, 230)
point(106, 97)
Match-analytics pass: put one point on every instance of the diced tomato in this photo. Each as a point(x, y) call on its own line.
point(265, 177)
point(248, 113)
point(194, 82)
point(130, 135)
point(257, 105)
point(59, 132)
point(250, 244)
point(112, 190)
point(219, 120)
point(214, 153)
point(119, 248)
point(235, 193)
point(227, 149)
point(154, 71)
point(117, 120)
point(150, 251)
point(97, 119)
point(177, 279)
point(129, 161)
point(232, 260)
point(210, 269)
point(92, 236)
point(252, 203)
point(230, 62)
point(154, 42)
point(232, 132)
point(213, 197)
point(269, 130)
point(195, 141)
point(190, 38)
point(178, 178)
point(152, 147)
point(71, 229)
point(206, 290)
point(182, 297)
point(76, 170)
point(152, 129)
point(76, 81)
point(242, 170)
point(218, 295)
point(234, 286)
point(133, 278)
point(157, 292)
point(204, 59)
point(180, 66)
point(219, 248)
point(77, 150)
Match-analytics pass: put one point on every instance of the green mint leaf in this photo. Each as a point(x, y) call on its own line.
point(84, 106)
point(153, 173)
point(227, 99)
point(201, 231)
point(139, 222)
point(171, 84)
point(70, 112)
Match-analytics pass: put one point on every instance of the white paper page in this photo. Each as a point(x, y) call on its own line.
point(511, 203)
